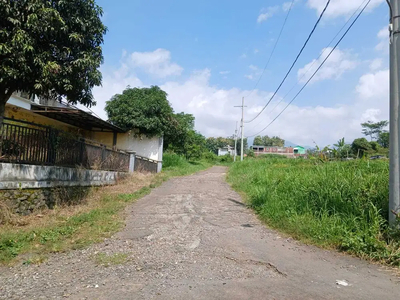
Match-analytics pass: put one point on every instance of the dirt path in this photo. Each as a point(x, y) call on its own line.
point(192, 238)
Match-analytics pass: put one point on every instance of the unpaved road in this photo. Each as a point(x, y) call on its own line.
point(192, 238)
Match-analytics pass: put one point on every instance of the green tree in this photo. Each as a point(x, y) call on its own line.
point(177, 133)
point(195, 145)
point(51, 49)
point(213, 144)
point(342, 149)
point(383, 139)
point(373, 130)
point(277, 141)
point(258, 141)
point(274, 141)
point(360, 147)
point(340, 144)
point(144, 109)
point(375, 146)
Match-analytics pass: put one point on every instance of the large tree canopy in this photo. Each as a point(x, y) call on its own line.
point(274, 141)
point(50, 48)
point(144, 109)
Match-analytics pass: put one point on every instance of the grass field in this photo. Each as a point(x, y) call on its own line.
point(342, 205)
point(74, 227)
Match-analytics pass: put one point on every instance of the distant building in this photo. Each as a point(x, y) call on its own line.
point(299, 150)
point(285, 151)
point(226, 150)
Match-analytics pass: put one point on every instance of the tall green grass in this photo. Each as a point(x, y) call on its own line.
point(336, 204)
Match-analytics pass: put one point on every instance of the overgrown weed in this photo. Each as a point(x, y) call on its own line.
point(342, 205)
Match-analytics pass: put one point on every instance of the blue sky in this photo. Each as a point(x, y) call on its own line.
point(208, 54)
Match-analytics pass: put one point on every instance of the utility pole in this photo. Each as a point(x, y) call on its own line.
point(241, 151)
point(394, 181)
point(234, 157)
point(242, 128)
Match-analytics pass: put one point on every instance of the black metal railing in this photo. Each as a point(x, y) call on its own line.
point(30, 143)
point(144, 164)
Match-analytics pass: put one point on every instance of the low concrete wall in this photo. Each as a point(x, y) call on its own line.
point(20, 176)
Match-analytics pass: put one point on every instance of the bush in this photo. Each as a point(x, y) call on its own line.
point(209, 157)
point(226, 158)
point(250, 153)
point(173, 160)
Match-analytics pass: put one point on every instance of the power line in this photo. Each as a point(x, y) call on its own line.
point(316, 60)
point(320, 66)
point(295, 61)
point(274, 48)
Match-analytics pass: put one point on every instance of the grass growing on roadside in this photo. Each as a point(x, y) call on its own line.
point(336, 204)
point(79, 226)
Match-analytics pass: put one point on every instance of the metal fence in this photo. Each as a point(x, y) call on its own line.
point(144, 164)
point(29, 143)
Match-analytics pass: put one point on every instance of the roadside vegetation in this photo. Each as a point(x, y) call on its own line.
point(334, 204)
point(32, 238)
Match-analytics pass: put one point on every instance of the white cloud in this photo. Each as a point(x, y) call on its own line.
point(255, 72)
point(215, 114)
point(376, 64)
point(374, 85)
point(339, 8)
point(243, 56)
point(338, 63)
point(267, 13)
point(256, 51)
point(383, 36)
point(286, 6)
point(224, 72)
point(253, 68)
point(157, 63)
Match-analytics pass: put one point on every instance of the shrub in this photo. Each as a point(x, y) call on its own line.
point(226, 158)
point(173, 160)
point(209, 157)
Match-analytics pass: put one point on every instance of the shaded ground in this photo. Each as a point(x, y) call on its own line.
point(192, 238)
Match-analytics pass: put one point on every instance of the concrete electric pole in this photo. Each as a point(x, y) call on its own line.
point(234, 157)
point(394, 181)
point(241, 149)
point(242, 129)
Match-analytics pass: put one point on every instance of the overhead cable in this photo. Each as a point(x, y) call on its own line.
point(320, 66)
point(295, 61)
point(316, 60)
point(273, 49)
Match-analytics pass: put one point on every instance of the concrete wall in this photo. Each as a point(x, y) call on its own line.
point(151, 148)
point(20, 176)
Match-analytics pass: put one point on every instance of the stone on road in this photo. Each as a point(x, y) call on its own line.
point(193, 238)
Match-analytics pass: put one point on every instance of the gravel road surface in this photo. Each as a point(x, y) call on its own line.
point(193, 238)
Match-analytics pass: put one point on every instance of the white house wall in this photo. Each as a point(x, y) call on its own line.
point(150, 148)
point(147, 147)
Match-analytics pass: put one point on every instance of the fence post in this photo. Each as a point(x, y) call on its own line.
point(159, 166)
point(132, 155)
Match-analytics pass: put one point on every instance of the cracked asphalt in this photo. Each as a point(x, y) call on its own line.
point(193, 238)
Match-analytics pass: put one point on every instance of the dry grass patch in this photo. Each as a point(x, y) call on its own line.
point(72, 227)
